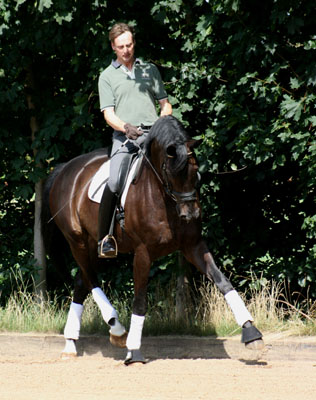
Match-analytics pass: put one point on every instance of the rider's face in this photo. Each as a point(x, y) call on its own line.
point(123, 47)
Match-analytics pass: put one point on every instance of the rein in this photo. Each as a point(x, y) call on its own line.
point(178, 197)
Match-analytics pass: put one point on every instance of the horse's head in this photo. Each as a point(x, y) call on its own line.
point(171, 151)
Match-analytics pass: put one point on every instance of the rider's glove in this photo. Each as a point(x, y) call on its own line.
point(132, 132)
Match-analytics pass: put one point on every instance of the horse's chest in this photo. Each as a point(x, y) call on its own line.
point(157, 233)
point(164, 236)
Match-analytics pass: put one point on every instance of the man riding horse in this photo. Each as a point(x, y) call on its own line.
point(128, 91)
point(168, 220)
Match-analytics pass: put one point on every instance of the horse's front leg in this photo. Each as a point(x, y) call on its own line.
point(201, 257)
point(142, 264)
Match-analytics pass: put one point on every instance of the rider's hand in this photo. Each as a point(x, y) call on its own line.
point(132, 132)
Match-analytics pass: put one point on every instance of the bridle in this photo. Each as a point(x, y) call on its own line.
point(178, 197)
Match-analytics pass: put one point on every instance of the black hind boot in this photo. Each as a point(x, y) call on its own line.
point(107, 247)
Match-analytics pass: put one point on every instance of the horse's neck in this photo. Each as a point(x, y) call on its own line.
point(148, 188)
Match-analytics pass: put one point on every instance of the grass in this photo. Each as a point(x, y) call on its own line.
point(25, 312)
point(204, 312)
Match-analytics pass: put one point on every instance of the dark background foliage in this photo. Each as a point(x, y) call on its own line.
point(241, 75)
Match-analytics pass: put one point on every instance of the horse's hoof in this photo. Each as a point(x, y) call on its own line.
point(134, 356)
point(68, 356)
point(250, 333)
point(118, 341)
point(255, 345)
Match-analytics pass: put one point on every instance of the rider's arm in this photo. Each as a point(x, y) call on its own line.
point(113, 120)
point(165, 107)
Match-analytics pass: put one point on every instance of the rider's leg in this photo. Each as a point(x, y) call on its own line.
point(106, 246)
point(120, 155)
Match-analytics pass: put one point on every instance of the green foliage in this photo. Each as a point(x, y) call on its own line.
point(241, 76)
point(206, 312)
point(245, 83)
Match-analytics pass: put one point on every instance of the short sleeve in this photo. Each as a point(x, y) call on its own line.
point(106, 96)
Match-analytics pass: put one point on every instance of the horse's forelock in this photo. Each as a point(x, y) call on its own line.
point(181, 159)
point(168, 131)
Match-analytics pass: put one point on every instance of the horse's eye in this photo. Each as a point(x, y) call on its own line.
point(171, 152)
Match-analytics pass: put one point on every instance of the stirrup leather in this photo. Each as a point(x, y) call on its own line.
point(106, 238)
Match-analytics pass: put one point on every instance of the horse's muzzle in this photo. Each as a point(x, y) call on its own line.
point(188, 211)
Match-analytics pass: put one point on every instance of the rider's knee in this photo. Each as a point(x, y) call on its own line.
point(113, 185)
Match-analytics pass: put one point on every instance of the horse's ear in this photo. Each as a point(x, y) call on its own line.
point(193, 143)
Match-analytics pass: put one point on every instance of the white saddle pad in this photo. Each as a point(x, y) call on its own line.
point(101, 177)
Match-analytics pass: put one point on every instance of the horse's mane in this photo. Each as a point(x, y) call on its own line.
point(168, 132)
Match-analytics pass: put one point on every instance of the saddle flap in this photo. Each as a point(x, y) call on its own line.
point(101, 177)
point(98, 182)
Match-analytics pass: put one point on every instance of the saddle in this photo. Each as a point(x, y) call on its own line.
point(101, 177)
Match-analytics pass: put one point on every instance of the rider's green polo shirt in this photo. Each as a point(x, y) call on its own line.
point(133, 94)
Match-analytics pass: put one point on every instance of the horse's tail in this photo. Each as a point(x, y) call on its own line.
point(54, 242)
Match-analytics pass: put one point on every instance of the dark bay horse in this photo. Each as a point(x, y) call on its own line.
point(162, 215)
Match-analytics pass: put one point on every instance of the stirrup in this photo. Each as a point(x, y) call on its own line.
point(105, 255)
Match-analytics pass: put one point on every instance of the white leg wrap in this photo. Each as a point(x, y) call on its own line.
point(117, 329)
point(70, 347)
point(72, 328)
point(107, 310)
point(134, 337)
point(238, 307)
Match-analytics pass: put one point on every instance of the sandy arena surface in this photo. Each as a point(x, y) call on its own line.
point(178, 368)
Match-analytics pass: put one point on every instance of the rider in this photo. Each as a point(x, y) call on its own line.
point(128, 91)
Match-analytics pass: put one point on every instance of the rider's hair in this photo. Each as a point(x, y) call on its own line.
point(118, 29)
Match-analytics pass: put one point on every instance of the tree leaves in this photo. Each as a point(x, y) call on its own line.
point(252, 87)
point(291, 108)
point(44, 4)
point(241, 75)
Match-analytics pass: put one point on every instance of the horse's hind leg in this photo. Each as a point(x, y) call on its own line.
point(85, 282)
point(118, 333)
point(73, 324)
point(203, 260)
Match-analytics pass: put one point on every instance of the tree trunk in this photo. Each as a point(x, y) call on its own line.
point(39, 251)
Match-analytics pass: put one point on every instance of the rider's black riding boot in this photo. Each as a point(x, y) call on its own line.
point(106, 242)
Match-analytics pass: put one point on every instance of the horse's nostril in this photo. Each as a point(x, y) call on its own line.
point(197, 213)
point(185, 217)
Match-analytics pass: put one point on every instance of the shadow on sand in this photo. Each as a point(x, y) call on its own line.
point(162, 347)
